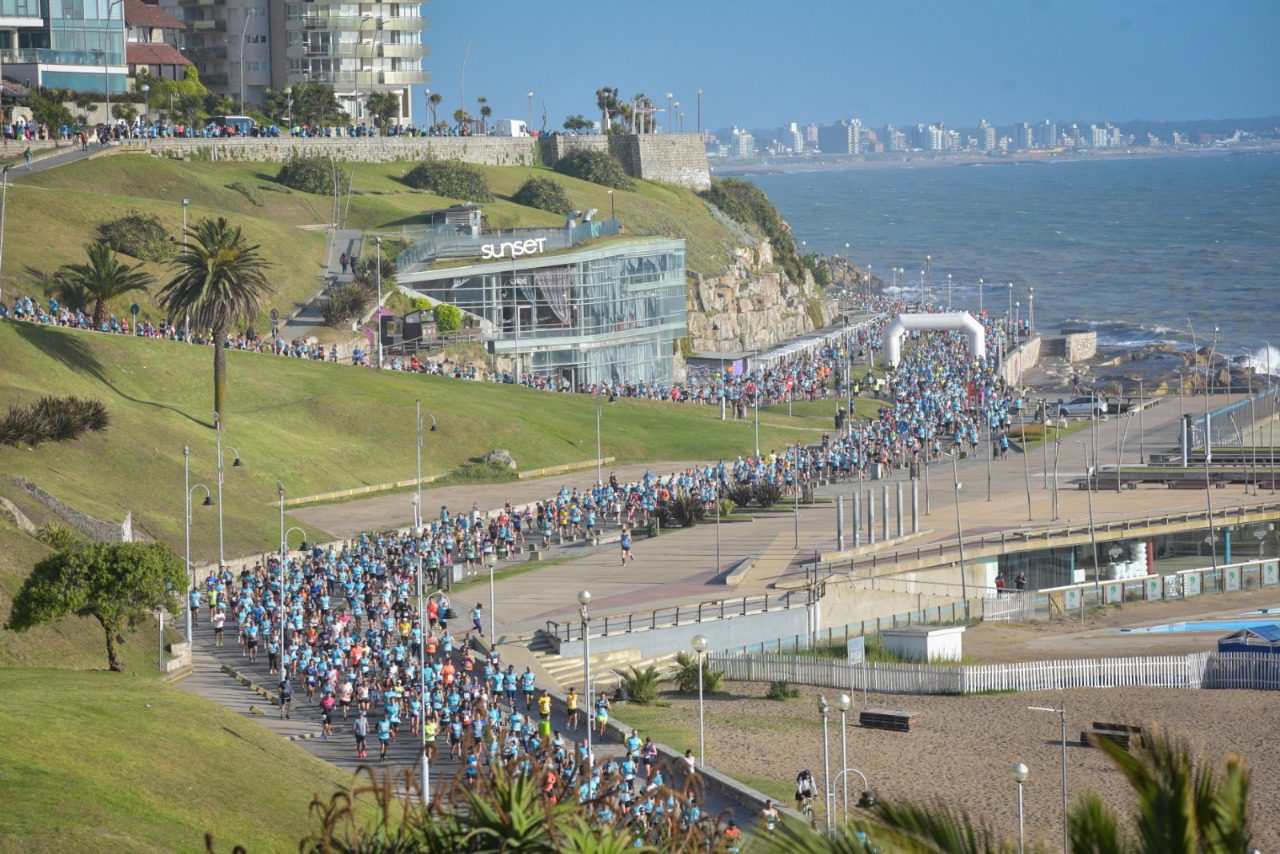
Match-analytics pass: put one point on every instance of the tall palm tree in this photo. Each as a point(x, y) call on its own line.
point(219, 282)
point(485, 112)
point(434, 101)
point(103, 279)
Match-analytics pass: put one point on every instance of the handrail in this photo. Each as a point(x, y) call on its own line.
point(676, 615)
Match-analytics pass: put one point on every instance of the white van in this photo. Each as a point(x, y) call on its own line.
point(510, 127)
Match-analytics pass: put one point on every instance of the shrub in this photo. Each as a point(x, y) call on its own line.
point(686, 677)
point(59, 537)
point(448, 318)
point(366, 272)
point(543, 194)
point(747, 204)
point(345, 303)
point(741, 494)
point(687, 510)
point(781, 691)
point(724, 507)
point(141, 235)
point(312, 175)
point(641, 686)
point(52, 419)
point(254, 197)
point(767, 494)
point(452, 179)
point(596, 167)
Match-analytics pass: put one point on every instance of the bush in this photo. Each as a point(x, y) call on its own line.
point(59, 537)
point(781, 691)
point(641, 686)
point(254, 197)
point(141, 235)
point(596, 167)
point(543, 194)
point(766, 494)
point(52, 419)
point(448, 318)
point(747, 204)
point(687, 510)
point(452, 179)
point(366, 272)
point(741, 494)
point(345, 303)
point(686, 677)
point(724, 507)
point(312, 175)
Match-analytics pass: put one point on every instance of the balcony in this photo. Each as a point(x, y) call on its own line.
point(350, 50)
point(205, 54)
point(208, 25)
point(365, 79)
point(333, 23)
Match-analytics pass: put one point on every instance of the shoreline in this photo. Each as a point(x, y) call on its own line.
point(923, 160)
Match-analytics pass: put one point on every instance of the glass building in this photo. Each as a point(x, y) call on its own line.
point(610, 312)
point(72, 44)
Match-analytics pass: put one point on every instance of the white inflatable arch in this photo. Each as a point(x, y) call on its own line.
point(958, 321)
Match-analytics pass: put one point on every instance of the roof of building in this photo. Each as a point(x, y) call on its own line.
point(140, 14)
point(154, 53)
point(1269, 633)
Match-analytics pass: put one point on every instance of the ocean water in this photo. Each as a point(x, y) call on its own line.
point(1143, 250)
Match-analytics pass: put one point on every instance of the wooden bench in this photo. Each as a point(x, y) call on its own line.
point(887, 719)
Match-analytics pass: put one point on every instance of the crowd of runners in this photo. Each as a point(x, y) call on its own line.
point(359, 655)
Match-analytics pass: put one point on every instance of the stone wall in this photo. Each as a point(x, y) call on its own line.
point(1020, 360)
point(1072, 346)
point(91, 527)
point(482, 150)
point(675, 158)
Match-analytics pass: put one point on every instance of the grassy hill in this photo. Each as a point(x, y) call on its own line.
point(314, 427)
point(103, 762)
point(52, 214)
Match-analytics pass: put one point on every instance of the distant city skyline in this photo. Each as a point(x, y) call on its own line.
point(928, 61)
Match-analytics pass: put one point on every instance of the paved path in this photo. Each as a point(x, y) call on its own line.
point(308, 320)
point(66, 153)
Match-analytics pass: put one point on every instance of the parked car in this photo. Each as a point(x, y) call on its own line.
point(1085, 406)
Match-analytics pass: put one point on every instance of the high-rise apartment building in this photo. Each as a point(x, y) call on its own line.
point(744, 143)
point(1046, 134)
point(72, 44)
point(244, 47)
point(986, 136)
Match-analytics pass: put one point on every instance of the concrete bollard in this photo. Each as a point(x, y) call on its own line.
point(857, 518)
point(871, 517)
point(915, 506)
point(884, 512)
point(840, 523)
point(900, 520)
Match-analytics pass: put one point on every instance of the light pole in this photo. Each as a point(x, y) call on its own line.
point(699, 94)
point(842, 703)
point(823, 707)
point(1026, 462)
point(1089, 481)
point(284, 565)
point(146, 103)
point(1010, 318)
point(699, 647)
point(364, 19)
point(235, 464)
point(106, 61)
point(955, 474)
point(680, 127)
point(243, 32)
point(1031, 310)
point(422, 671)
point(922, 297)
point(378, 242)
point(613, 206)
point(417, 502)
point(599, 453)
point(948, 292)
point(1061, 712)
point(4, 201)
point(980, 283)
point(670, 115)
point(187, 490)
point(584, 599)
point(1020, 772)
point(288, 93)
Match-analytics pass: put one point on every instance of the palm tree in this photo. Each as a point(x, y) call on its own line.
point(219, 282)
point(485, 112)
point(103, 279)
point(434, 101)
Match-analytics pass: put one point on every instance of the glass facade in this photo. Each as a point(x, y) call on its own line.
point(85, 33)
point(611, 313)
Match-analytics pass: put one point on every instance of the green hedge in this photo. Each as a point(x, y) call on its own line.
point(452, 179)
point(544, 194)
point(313, 175)
point(596, 167)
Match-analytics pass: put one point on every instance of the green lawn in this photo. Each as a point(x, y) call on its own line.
point(106, 762)
point(314, 427)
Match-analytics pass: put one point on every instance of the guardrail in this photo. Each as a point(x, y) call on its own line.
point(678, 615)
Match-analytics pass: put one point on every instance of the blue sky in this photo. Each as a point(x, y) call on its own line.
point(762, 64)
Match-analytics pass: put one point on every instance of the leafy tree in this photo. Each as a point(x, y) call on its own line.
point(597, 167)
point(448, 318)
point(47, 109)
point(118, 584)
point(126, 111)
point(220, 280)
point(452, 179)
point(103, 279)
point(577, 122)
point(384, 106)
point(543, 194)
point(179, 99)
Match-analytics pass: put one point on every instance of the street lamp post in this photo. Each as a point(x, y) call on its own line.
point(955, 474)
point(699, 647)
point(417, 499)
point(378, 314)
point(243, 32)
point(1020, 772)
point(1061, 712)
point(529, 115)
point(187, 490)
point(1090, 481)
point(1009, 321)
point(980, 283)
point(670, 115)
point(146, 104)
point(823, 707)
point(422, 671)
point(843, 703)
point(355, 81)
point(584, 599)
point(699, 94)
point(948, 292)
point(1031, 310)
point(599, 452)
point(106, 61)
point(235, 464)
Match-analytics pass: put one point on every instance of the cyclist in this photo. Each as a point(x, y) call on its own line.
point(804, 792)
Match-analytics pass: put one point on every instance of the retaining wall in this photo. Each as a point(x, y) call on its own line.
point(721, 634)
point(482, 150)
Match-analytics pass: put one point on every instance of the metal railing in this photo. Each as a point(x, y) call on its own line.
point(1227, 424)
point(1026, 539)
point(677, 615)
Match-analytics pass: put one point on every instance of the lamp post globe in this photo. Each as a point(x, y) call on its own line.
point(584, 598)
